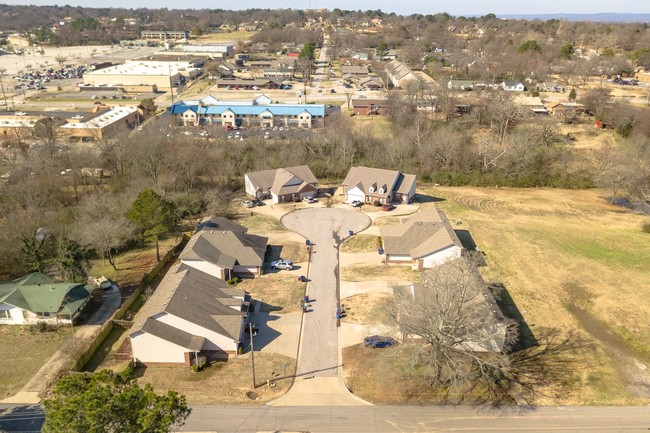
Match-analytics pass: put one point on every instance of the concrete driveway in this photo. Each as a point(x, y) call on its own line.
point(319, 354)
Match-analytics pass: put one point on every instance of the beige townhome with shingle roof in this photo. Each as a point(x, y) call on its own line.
point(225, 253)
point(368, 185)
point(191, 313)
point(425, 240)
point(282, 184)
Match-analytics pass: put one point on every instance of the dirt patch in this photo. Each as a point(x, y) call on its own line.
point(224, 382)
point(276, 292)
point(392, 273)
point(367, 309)
point(360, 244)
point(31, 348)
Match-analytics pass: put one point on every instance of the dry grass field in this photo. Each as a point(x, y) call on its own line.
point(224, 382)
point(32, 349)
point(569, 260)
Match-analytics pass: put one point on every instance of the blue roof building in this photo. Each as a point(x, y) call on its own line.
point(258, 112)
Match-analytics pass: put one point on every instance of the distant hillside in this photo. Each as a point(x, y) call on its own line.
point(605, 17)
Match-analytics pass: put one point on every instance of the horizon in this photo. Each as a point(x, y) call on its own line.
point(470, 8)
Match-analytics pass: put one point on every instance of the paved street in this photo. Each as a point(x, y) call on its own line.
point(319, 355)
point(383, 419)
point(420, 419)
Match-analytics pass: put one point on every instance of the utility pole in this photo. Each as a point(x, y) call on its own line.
point(250, 333)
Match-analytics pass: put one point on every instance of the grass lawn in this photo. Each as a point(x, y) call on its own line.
point(133, 264)
point(562, 251)
point(277, 292)
point(31, 349)
point(359, 244)
point(262, 223)
point(224, 382)
point(368, 309)
point(392, 273)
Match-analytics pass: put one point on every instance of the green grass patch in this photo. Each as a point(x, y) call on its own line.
point(360, 244)
point(103, 351)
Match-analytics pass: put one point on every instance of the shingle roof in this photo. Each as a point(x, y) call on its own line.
point(276, 180)
point(423, 234)
point(478, 299)
point(226, 248)
point(39, 293)
point(366, 177)
point(173, 335)
point(198, 298)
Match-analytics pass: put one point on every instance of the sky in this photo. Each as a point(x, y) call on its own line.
point(402, 7)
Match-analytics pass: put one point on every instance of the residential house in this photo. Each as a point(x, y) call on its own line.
point(257, 112)
point(488, 328)
point(282, 185)
point(390, 55)
point(551, 87)
point(398, 73)
point(513, 86)
point(355, 70)
point(370, 185)
point(37, 298)
point(532, 103)
point(190, 315)
point(225, 253)
point(371, 83)
point(425, 240)
point(369, 107)
point(566, 108)
point(460, 85)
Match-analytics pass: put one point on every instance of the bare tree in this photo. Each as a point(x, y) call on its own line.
point(462, 348)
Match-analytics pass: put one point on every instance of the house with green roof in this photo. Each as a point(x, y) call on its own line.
point(37, 298)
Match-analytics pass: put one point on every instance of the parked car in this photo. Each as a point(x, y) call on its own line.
point(258, 202)
point(356, 203)
point(378, 342)
point(282, 264)
point(309, 199)
point(247, 204)
point(387, 207)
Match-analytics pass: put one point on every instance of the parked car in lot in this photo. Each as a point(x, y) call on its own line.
point(247, 204)
point(309, 199)
point(378, 342)
point(258, 202)
point(387, 207)
point(356, 203)
point(282, 264)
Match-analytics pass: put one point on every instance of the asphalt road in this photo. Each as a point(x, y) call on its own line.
point(406, 419)
point(383, 419)
point(326, 229)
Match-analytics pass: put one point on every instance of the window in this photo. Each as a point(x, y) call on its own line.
point(4, 314)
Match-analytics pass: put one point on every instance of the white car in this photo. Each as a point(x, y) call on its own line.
point(356, 203)
point(247, 204)
point(282, 264)
point(309, 199)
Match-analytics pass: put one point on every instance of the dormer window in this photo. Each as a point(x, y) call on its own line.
point(382, 190)
point(372, 188)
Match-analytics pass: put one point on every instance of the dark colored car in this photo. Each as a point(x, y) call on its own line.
point(258, 202)
point(377, 342)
